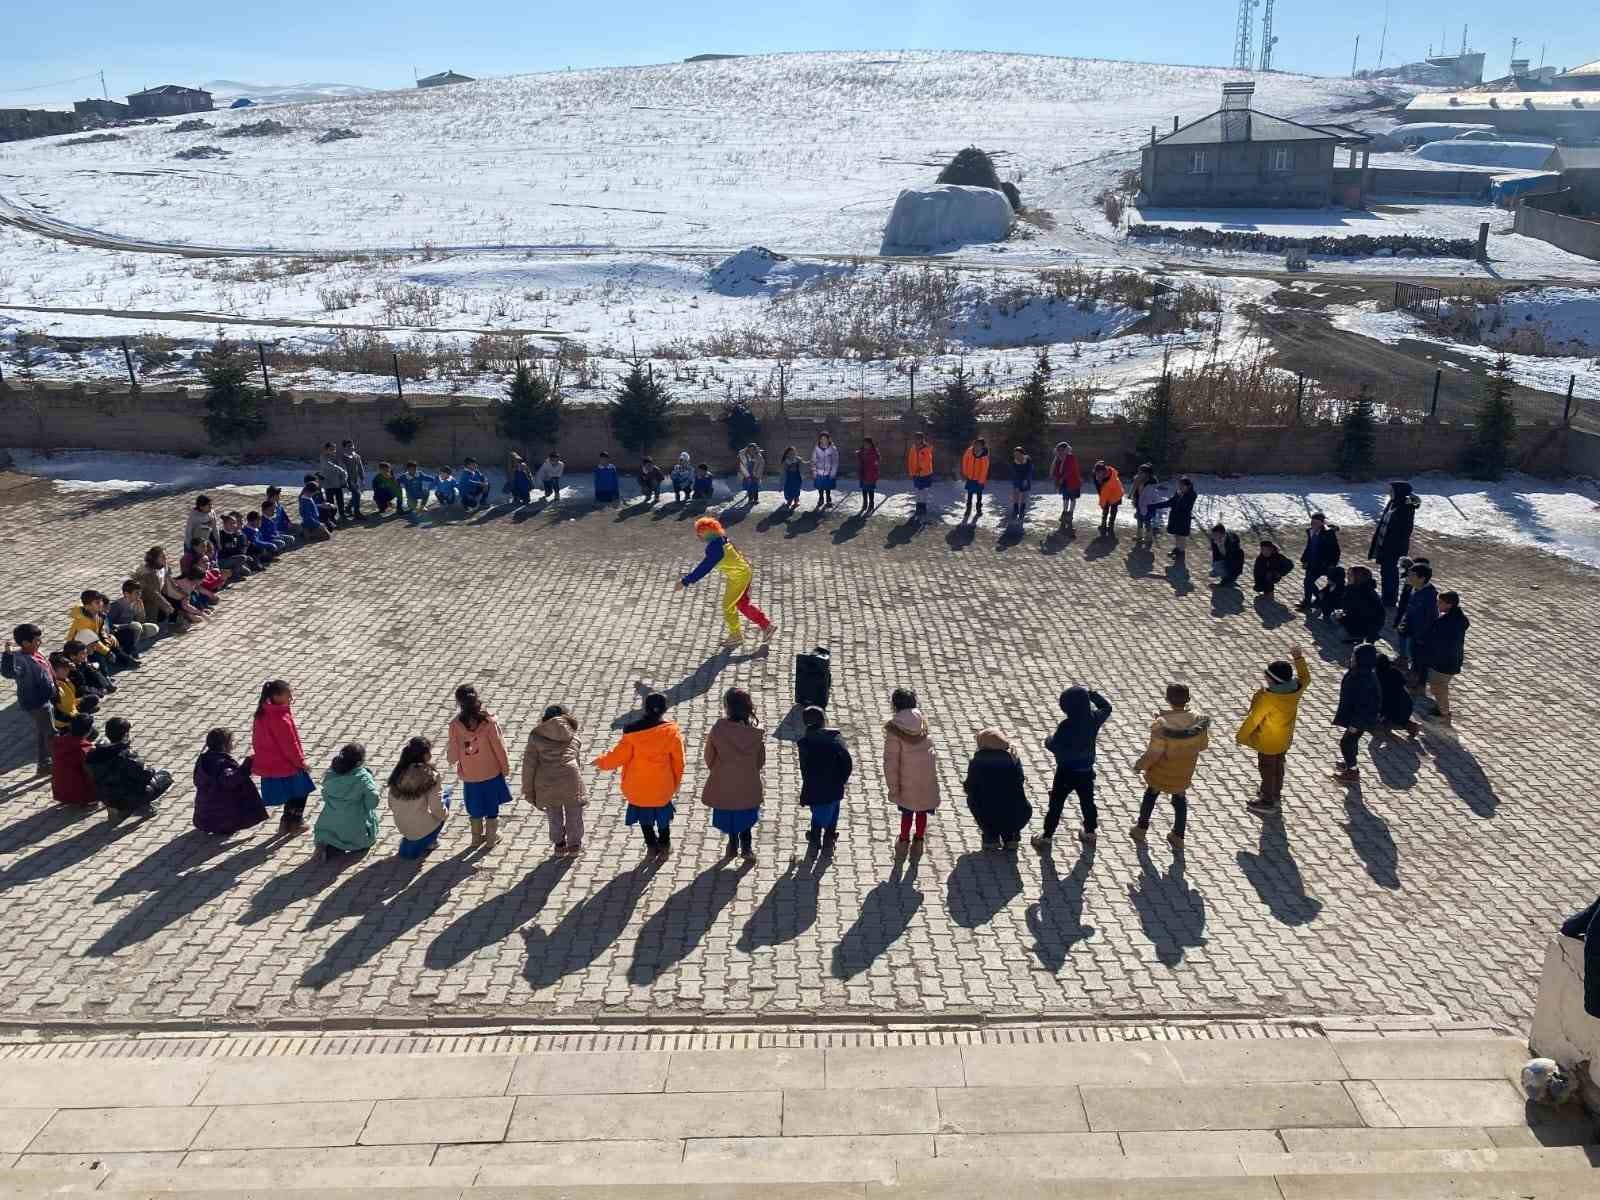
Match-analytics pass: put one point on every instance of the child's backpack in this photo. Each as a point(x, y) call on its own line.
point(813, 678)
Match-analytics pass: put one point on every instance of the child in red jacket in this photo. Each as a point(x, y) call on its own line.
point(278, 758)
point(1069, 482)
point(70, 782)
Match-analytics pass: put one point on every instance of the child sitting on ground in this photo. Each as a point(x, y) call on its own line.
point(445, 488)
point(705, 486)
point(122, 781)
point(650, 480)
point(1329, 596)
point(70, 781)
point(274, 515)
point(682, 478)
point(519, 480)
point(198, 557)
point(549, 476)
point(607, 487)
point(265, 546)
point(385, 488)
point(235, 545)
point(65, 705)
point(415, 487)
point(996, 795)
point(474, 487)
point(348, 822)
point(1270, 569)
point(192, 598)
point(89, 679)
point(313, 527)
point(825, 768)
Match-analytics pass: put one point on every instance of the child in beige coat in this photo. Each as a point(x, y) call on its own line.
point(552, 781)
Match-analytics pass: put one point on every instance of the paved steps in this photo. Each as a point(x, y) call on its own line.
point(1307, 1118)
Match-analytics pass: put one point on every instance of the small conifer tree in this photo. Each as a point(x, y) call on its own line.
point(641, 410)
point(531, 412)
point(953, 413)
point(1356, 457)
point(1490, 452)
point(1161, 437)
point(1028, 423)
point(233, 415)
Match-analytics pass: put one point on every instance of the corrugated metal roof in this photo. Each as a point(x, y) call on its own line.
point(169, 89)
point(1481, 101)
point(1587, 69)
point(1261, 127)
point(1576, 158)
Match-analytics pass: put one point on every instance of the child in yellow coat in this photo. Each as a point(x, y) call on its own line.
point(1268, 728)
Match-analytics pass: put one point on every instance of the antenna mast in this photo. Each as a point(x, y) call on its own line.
point(1266, 37)
point(1242, 55)
point(1354, 56)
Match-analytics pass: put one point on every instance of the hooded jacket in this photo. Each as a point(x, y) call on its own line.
point(90, 630)
point(975, 465)
point(1065, 471)
point(36, 683)
point(909, 767)
point(1360, 694)
point(651, 758)
point(752, 463)
point(1445, 644)
point(416, 801)
point(1073, 742)
point(1110, 488)
point(996, 793)
point(1177, 739)
point(1421, 610)
point(225, 797)
point(867, 464)
point(919, 461)
point(1397, 704)
point(1322, 551)
point(735, 754)
point(478, 755)
point(121, 780)
point(1392, 537)
point(825, 461)
point(349, 816)
point(1363, 610)
point(70, 781)
point(1268, 728)
point(1180, 511)
point(1231, 555)
point(550, 775)
point(1269, 571)
point(275, 750)
point(683, 472)
point(825, 767)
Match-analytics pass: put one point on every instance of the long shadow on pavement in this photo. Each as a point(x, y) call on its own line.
point(675, 929)
point(1056, 921)
point(1372, 840)
point(885, 914)
point(496, 918)
point(1276, 877)
point(1172, 913)
point(790, 908)
point(587, 930)
point(981, 886)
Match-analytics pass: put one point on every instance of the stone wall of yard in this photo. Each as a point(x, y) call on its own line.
point(169, 422)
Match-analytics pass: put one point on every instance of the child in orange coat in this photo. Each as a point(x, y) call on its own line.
point(650, 755)
point(1109, 485)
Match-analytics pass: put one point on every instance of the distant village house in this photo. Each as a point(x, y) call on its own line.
point(101, 110)
point(1237, 157)
point(442, 78)
point(169, 100)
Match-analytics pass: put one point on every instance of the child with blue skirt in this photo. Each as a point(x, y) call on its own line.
point(277, 758)
point(736, 751)
point(478, 754)
point(607, 484)
point(792, 469)
point(650, 755)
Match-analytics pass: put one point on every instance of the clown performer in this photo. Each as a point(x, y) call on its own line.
point(735, 567)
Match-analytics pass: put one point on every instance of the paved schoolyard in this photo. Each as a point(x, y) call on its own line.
point(1430, 890)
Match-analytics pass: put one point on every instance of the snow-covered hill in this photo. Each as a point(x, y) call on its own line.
point(226, 91)
point(802, 152)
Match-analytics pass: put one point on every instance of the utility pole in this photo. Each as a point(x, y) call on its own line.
point(1463, 39)
point(1354, 56)
point(1383, 39)
point(104, 95)
point(1514, 42)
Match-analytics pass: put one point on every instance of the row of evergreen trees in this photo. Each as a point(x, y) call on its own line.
point(641, 415)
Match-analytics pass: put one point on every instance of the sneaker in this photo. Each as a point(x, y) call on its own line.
point(1040, 842)
point(490, 841)
point(560, 847)
point(830, 837)
point(1262, 808)
point(732, 643)
point(1086, 836)
point(1138, 834)
point(813, 836)
point(767, 634)
point(1174, 841)
point(1347, 775)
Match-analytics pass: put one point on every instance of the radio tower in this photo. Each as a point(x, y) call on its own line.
point(1242, 56)
point(1266, 36)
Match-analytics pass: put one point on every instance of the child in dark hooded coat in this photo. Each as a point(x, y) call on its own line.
point(1073, 745)
point(1360, 709)
point(825, 768)
point(995, 792)
point(1396, 701)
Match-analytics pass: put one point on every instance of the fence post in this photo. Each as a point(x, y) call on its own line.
point(399, 388)
point(1566, 415)
point(913, 408)
point(1397, 294)
point(1433, 411)
point(2, 378)
point(262, 355)
point(782, 392)
point(133, 381)
point(1299, 396)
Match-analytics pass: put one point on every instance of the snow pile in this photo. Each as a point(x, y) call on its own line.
point(926, 219)
point(1569, 316)
point(1525, 156)
point(757, 271)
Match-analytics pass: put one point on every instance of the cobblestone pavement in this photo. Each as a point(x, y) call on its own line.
point(1428, 891)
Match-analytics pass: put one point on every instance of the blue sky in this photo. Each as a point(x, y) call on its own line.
point(295, 41)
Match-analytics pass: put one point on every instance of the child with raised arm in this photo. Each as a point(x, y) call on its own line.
point(650, 755)
point(478, 754)
point(1073, 746)
point(737, 575)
